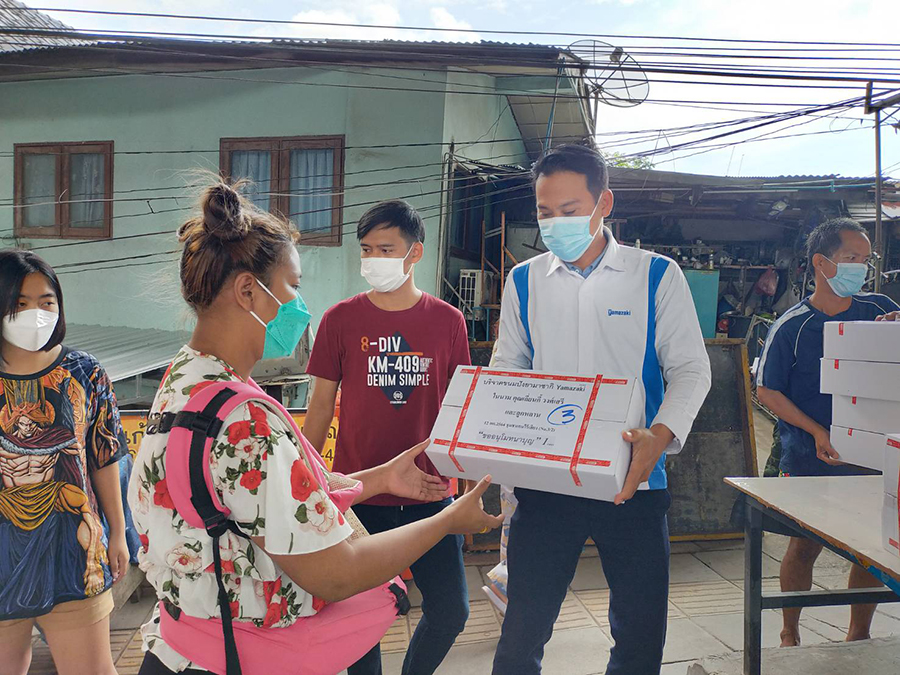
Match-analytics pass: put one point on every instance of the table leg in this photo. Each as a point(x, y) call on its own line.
point(752, 591)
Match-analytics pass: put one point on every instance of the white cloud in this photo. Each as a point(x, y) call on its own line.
point(442, 18)
point(349, 15)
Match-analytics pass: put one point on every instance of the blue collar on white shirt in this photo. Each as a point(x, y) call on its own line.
point(609, 256)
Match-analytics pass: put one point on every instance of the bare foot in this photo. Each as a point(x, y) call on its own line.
point(790, 639)
point(854, 637)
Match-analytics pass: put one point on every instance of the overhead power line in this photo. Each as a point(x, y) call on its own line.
point(450, 30)
point(397, 49)
point(350, 226)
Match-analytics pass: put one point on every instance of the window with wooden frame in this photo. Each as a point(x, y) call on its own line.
point(300, 178)
point(63, 190)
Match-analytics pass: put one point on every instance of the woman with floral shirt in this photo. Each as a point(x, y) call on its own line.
point(240, 273)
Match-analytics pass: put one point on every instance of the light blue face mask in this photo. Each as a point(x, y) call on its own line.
point(849, 279)
point(568, 237)
point(285, 330)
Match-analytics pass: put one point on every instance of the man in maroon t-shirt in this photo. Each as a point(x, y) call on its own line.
point(392, 352)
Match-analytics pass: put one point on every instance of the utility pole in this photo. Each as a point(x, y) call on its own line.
point(876, 108)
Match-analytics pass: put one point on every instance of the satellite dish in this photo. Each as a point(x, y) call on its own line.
point(612, 76)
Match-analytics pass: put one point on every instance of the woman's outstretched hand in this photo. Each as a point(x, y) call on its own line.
point(404, 479)
point(467, 513)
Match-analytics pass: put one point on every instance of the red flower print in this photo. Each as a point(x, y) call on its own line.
point(145, 542)
point(227, 567)
point(270, 589)
point(273, 616)
point(252, 479)
point(263, 429)
point(340, 518)
point(303, 484)
point(261, 422)
point(239, 431)
point(318, 604)
point(168, 370)
point(161, 496)
point(257, 414)
point(197, 388)
point(235, 609)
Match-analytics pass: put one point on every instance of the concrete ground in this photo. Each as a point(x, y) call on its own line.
point(705, 612)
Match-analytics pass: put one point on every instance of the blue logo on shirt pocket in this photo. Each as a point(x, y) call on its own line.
point(619, 312)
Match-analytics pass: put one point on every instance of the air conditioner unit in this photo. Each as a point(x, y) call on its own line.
point(475, 289)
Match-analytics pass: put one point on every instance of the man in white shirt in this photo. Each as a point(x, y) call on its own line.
point(590, 306)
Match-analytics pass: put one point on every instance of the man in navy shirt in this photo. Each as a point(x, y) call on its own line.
point(788, 382)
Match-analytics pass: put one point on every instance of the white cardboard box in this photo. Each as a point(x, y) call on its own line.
point(890, 524)
point(862, 448)
point(868, 414)
point(524, 428)
point(863, 341)
point(864, 379)
point(892, 465)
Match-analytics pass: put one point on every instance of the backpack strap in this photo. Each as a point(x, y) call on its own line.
point(193, 431)
point(204, 425)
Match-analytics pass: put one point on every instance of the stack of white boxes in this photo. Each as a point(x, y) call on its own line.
point(890, 516)
point(861, 370)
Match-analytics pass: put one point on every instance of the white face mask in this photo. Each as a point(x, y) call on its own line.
point(30, 329)
point(385, 274)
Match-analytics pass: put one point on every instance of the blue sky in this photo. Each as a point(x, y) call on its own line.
point(842, 145)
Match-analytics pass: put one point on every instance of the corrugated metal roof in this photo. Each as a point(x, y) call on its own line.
point(865, 211)
point(837, 178)
point(16, 15)
point(126, 352)
point(31, 19)
point(419, 43)
point(659, 178)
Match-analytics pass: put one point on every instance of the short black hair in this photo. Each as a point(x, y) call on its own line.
point(578, 159)
point(15, 265)
point(826, 238)
point(393, 213)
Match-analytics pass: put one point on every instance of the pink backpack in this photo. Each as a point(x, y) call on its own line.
point(354, 622)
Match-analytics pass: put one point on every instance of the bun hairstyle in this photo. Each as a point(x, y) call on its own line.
point(224, 216)
point(231, 235)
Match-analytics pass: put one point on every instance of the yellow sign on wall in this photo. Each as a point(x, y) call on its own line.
point(135, 421)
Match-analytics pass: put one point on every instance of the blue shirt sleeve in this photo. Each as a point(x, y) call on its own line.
point(777, 360)
point(887, 304)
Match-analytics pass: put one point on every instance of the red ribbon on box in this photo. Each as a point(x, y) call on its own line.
point(462, 418)
point(895, 444)
point(574, 460)
point(573, 467)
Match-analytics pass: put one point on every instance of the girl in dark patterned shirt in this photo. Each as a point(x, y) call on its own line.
point(60, 442)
